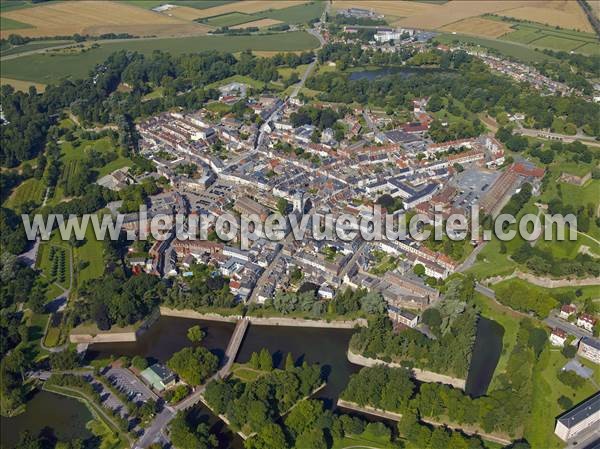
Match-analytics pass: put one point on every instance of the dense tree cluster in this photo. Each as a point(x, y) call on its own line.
point(194, 365)
point(525, 298)
point(255, 405)
point(185, 435)
point(457, 329)
point(380, 387)
point(543, 262)
point(113, 300)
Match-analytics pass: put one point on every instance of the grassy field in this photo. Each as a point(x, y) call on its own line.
point(50, 68)
point(89, 258)
point(30, 190)
point(546, 391)
point(536, 35)
point(518, 51)
point(260, 23)
point(366, 439)
point(30, 46)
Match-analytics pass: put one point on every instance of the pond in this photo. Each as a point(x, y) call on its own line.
point(486, 353)
point(57, 416)
point(405, 72)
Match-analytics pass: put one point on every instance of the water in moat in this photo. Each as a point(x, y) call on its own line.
point(56, 416)
point(315, 345)
point(486, 353)
point(168, 335)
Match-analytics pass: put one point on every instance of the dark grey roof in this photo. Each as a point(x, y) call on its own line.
point(591, 342)
point(581, 412)
point(165, 374)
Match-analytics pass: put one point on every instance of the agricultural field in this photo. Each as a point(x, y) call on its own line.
point(51, 67)
point(198, 4)
point(562, 13)
point(543, 36)
point(10, 24)
point(479, 26)
point(454, 15)
point(93, 17)
point(245, 7)
point(229, 19)
point(261, 23)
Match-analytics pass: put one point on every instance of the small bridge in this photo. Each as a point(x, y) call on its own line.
point(235, 342)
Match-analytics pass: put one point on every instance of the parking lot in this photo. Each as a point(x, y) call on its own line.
point(127, 383)
point(472, 185)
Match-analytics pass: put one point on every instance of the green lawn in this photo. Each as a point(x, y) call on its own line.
point(365, 440)
point(29, 190)
point(45, 263)
point(50, 68)
point(539, 431)
point(245, 373)
point(91, 253)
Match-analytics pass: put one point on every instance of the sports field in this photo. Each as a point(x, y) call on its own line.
point(50, 68)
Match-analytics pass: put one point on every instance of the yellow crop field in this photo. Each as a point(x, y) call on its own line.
point(457, 10)
point(91, 17)
point(247, 6)
point(262, 23)
point(562, 13)
point(478, 26)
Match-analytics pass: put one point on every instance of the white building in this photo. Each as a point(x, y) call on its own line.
point(586, 321)
point(578, 419)
point(589, 348)
point(558, 337)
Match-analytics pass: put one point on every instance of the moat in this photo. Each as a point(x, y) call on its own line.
point(324, 346)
